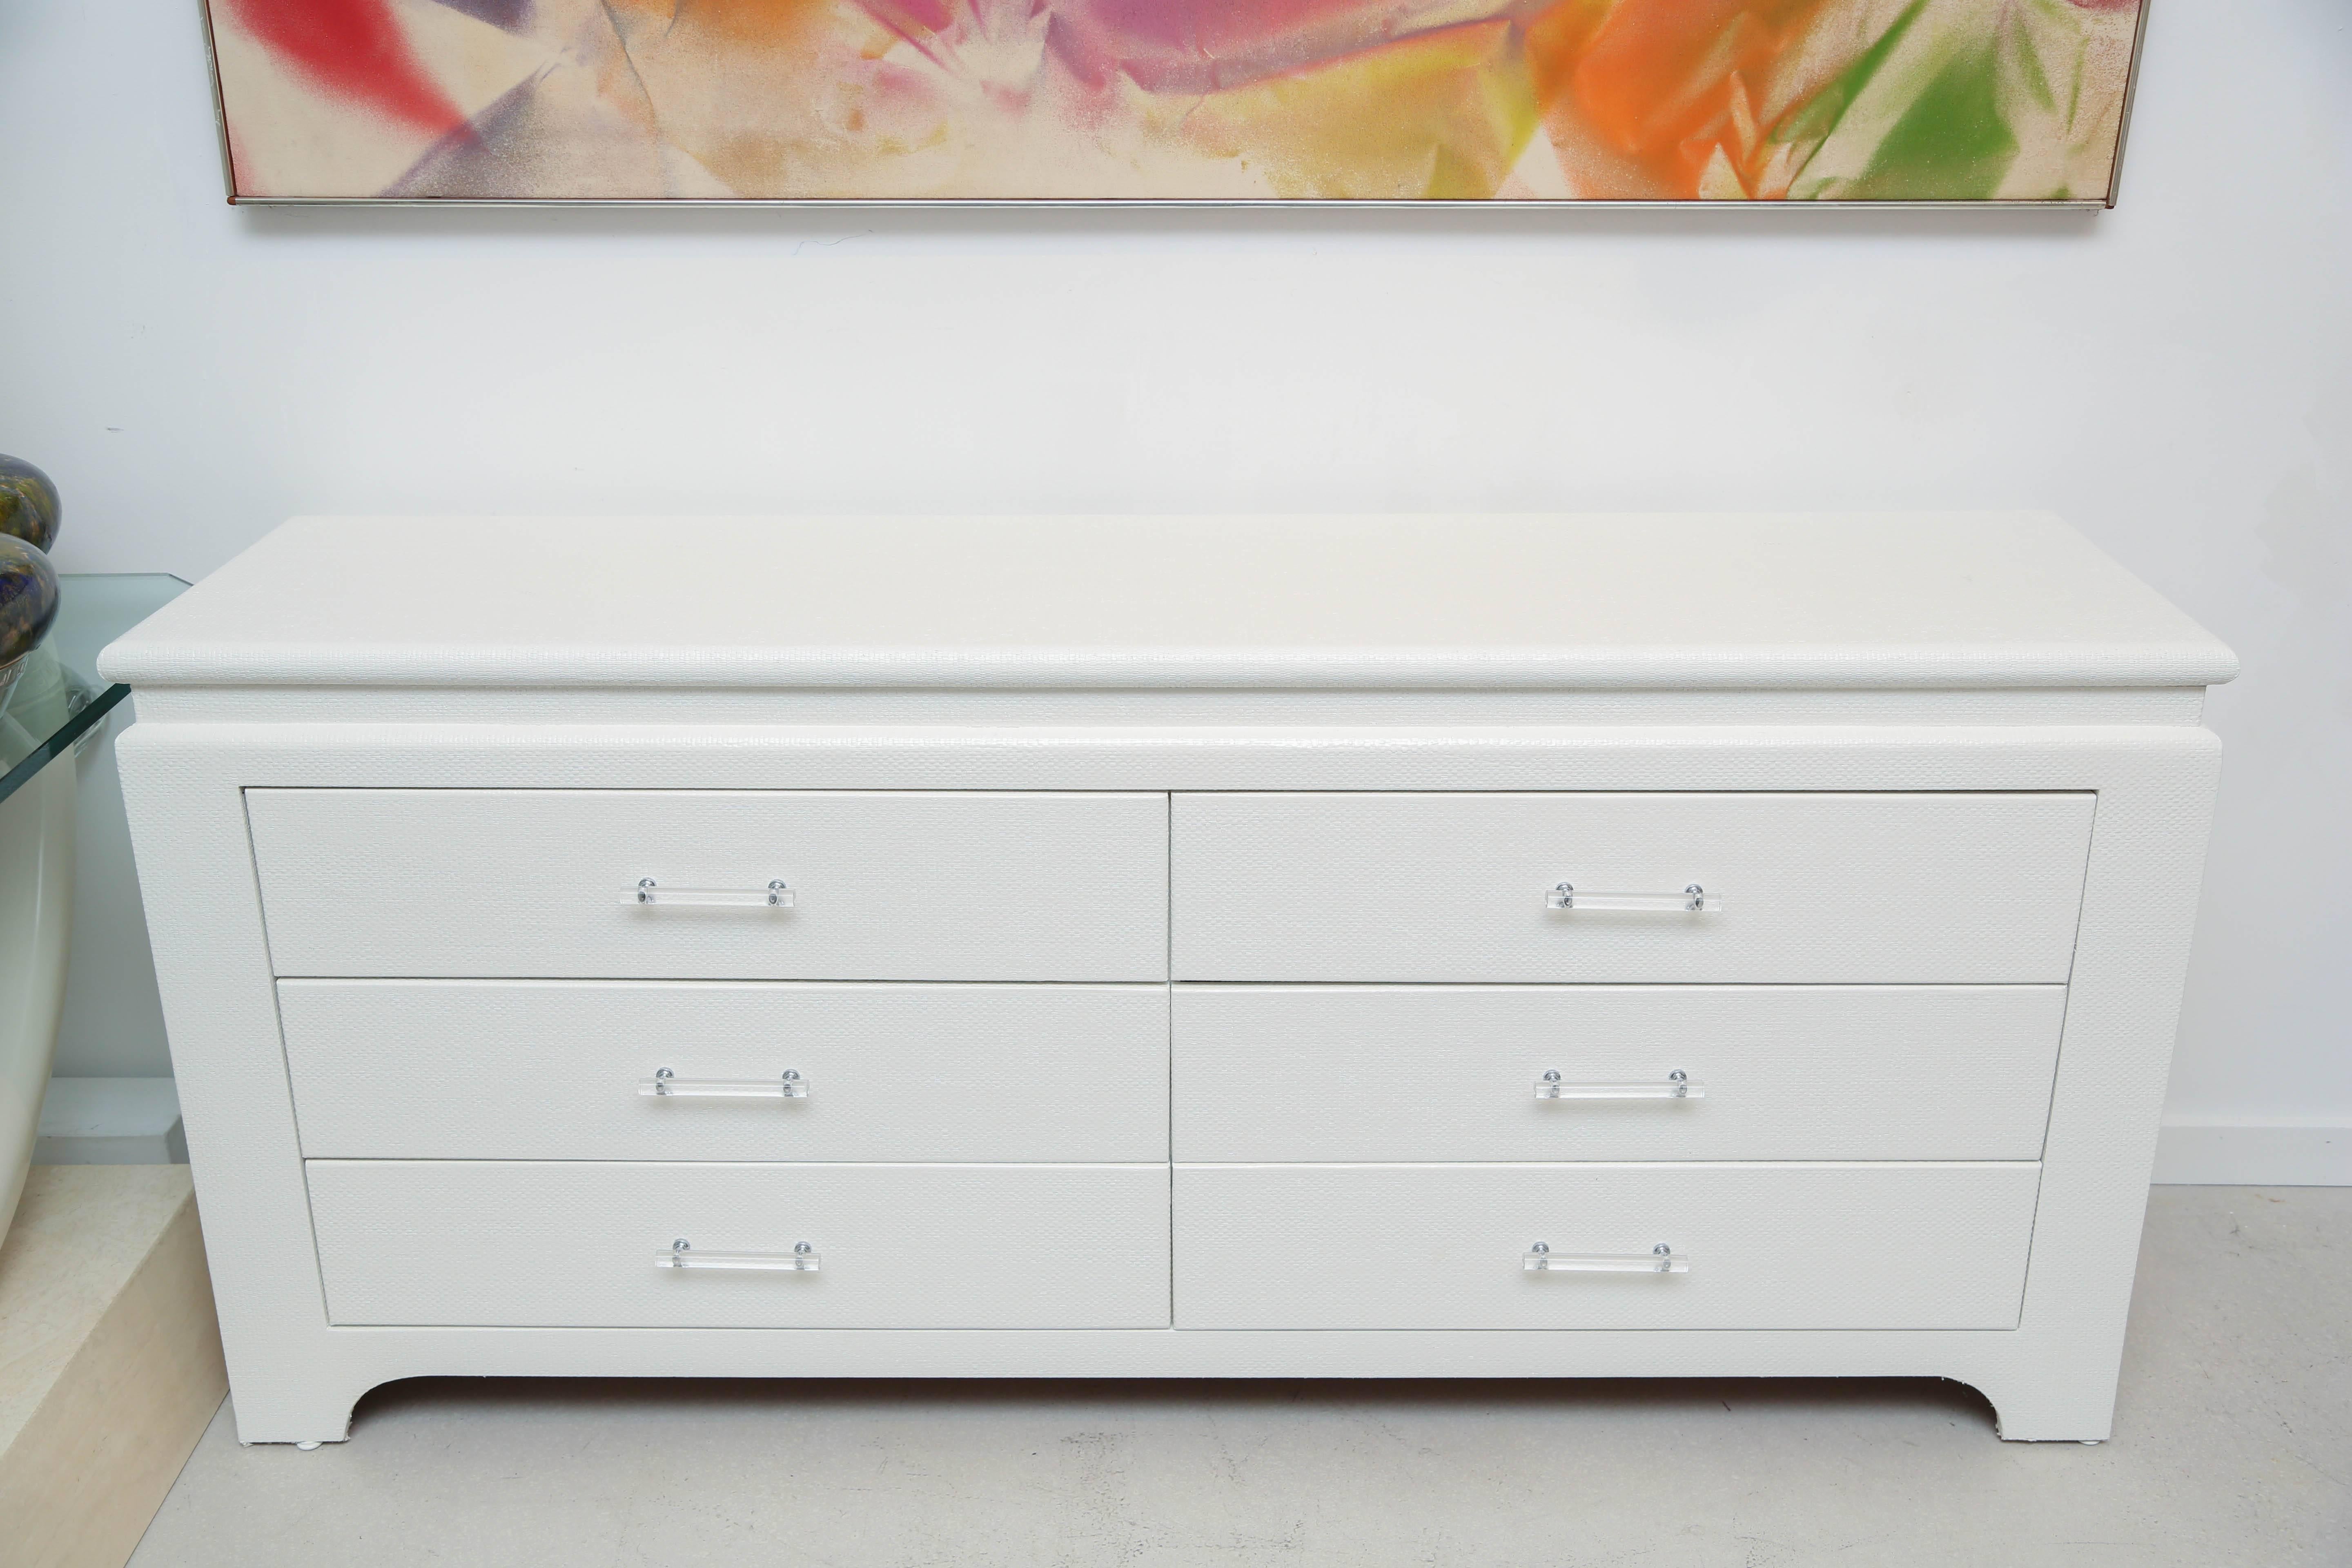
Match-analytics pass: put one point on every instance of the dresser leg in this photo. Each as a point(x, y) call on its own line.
point(315, 1411)
point(2053, 1409)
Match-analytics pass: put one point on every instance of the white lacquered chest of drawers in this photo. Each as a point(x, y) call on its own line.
point(1261, 947)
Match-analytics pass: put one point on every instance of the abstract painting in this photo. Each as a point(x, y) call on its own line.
point(1514, 100)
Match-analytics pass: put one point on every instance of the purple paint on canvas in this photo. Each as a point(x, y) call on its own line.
point(512, 14)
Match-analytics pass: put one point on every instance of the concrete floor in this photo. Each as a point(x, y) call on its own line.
point(2234, 1444)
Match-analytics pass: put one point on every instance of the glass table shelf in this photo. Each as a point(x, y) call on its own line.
point(57, 697)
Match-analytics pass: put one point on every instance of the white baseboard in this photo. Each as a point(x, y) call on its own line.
point(111, 1121)
point(2254, 1154)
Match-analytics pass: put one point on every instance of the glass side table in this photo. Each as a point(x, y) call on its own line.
point(59, 701)
point(56, 707)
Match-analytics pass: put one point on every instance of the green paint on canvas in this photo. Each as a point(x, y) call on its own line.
point(1819, 116)
point(1952, 143)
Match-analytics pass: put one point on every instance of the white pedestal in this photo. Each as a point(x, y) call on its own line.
point(36, 873)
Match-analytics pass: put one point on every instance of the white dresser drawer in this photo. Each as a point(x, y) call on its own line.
point(1444, 1246)
point(1813, 888)
point(578, 1245)
point(553, 1070)
point(883, 886)
point(1452, 1072)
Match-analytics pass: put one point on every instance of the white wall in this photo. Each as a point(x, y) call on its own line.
point(2175, 375)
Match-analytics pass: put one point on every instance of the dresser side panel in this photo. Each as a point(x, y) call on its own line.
point(212, 963)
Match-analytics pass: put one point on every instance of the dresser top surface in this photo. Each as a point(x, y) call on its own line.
point(1474, 601)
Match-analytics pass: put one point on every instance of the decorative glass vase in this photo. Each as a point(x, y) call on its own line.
point(29, 507)
point(28, 603)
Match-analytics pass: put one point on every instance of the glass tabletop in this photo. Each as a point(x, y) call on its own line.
point(57, 697)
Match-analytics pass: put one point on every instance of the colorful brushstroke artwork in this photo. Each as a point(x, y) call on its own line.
point(2019, 100)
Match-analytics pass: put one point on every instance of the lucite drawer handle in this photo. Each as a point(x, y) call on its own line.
point(800, 1260)
point(775, 896)
point(1677, 1086)
point(667, 1084)
point(1659, 1260)
point(1692, 900)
